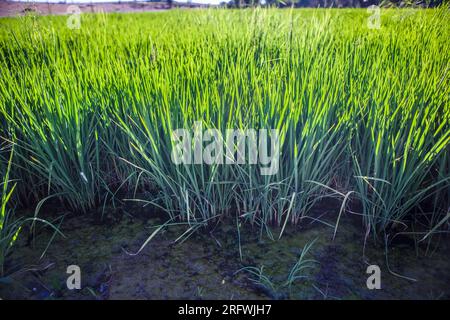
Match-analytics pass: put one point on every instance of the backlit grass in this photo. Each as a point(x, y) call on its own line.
point(363, 113)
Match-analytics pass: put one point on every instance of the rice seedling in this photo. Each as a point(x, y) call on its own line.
point(9, 229)
point(299, 271)
point(361, 111)
point(10, 224)
point(261, 280)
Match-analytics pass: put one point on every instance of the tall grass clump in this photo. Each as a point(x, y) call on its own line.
point(9, 227)
point(361, 113)
point(401, 133)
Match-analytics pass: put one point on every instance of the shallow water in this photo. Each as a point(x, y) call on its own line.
point(205, 264)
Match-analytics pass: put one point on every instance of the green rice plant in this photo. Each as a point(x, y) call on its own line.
point(9, 228)
point(10, 224)
point(360, 112)
point(261, 280)
point(298, 271)
point(308, 135)
point(401, 131)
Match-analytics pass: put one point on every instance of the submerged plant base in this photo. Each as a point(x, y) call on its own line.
point(205, 265)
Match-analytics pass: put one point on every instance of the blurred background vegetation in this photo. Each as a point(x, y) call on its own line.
point(334, 3)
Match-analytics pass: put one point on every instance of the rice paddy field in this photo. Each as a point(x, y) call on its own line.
point(362, 116)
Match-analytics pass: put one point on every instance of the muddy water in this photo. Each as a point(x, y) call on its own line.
point(209, 263)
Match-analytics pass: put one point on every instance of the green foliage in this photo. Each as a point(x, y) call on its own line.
point(299, 271)
point(358, 109)
point(9, 229)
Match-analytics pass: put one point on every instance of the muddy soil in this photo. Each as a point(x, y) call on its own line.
point(212, 263)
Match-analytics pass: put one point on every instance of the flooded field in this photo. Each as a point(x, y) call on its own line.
point(207, 264)
point(224, 154)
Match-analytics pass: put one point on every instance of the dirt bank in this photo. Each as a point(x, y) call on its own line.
point(9, 8)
